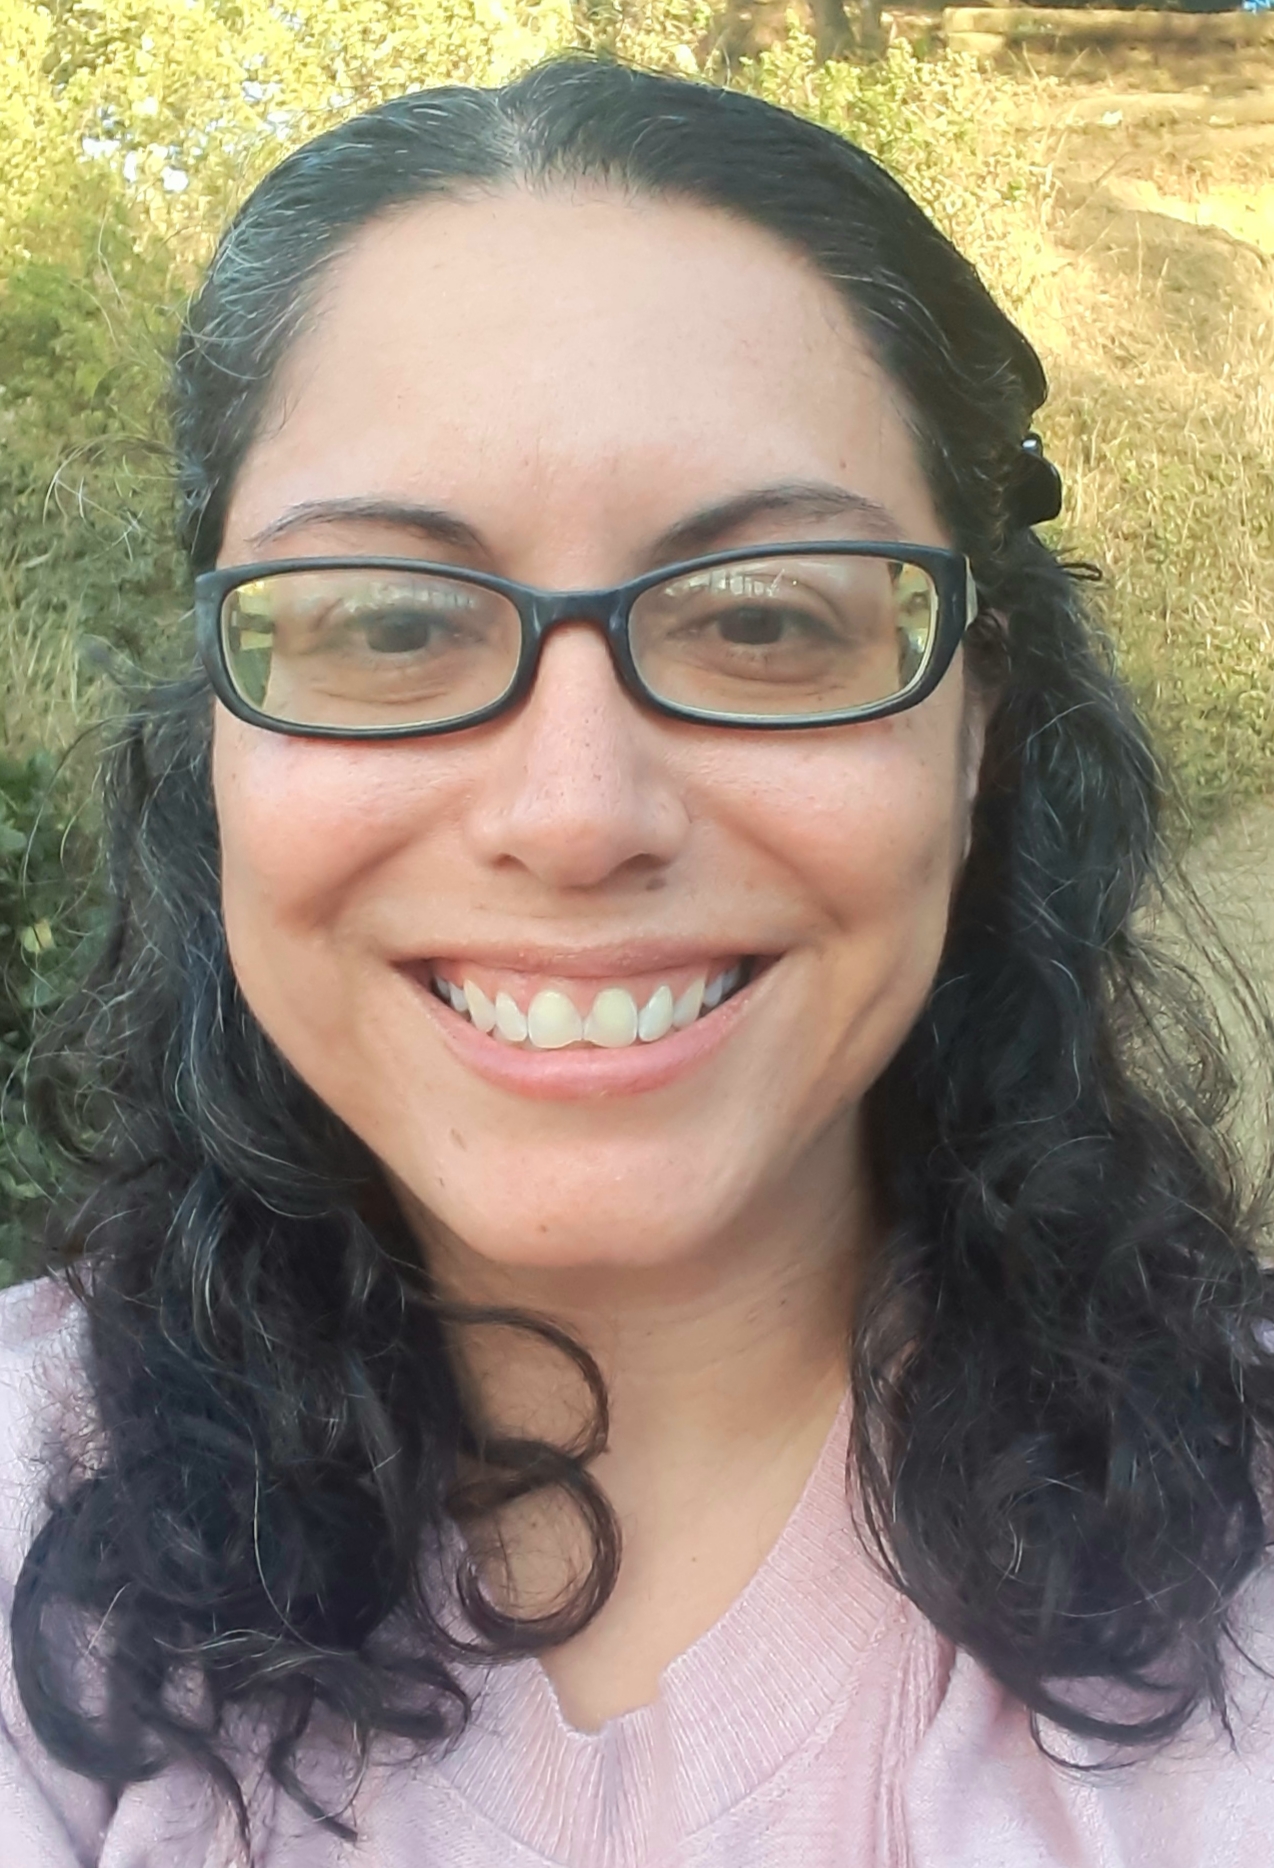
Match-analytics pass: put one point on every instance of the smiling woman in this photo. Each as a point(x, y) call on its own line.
point(657, 1279)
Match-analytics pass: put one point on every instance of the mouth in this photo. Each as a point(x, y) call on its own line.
point(560, 1014)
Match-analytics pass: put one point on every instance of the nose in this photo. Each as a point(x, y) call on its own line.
point(576, 788)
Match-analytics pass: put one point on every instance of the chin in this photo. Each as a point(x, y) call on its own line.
point(580, 1233)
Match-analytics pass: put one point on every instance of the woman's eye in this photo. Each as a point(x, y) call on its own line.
point(757, 625)
point(403, 632)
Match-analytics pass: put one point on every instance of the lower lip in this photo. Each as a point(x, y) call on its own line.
point(573, 1075)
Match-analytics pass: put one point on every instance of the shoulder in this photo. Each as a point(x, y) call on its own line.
point(42, 1404)
point(982, 1794)
point(41, 1341)
point(48, 1814)
point(37, 1312)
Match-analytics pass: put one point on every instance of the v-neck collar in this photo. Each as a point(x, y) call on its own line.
point(730, 1710)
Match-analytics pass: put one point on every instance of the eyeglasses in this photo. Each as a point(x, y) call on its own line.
point(793, 635)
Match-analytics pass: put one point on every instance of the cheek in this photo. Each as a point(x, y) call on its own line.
point(302, 824)
point(871, 819)
point(279, 852)
point(876, 838)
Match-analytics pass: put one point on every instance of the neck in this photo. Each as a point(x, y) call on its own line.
point(711, 1353)
point(723, 1375)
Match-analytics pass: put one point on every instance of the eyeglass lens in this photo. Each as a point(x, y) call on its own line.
point(361, 648)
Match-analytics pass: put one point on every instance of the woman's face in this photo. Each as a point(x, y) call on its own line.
point(562, 381)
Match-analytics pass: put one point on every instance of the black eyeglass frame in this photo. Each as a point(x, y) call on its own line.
point(610, 609)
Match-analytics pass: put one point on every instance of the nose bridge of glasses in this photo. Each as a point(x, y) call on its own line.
point(601, 610)
point(552, 609)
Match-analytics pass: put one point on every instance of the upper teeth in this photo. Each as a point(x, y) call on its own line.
point(551, 1021)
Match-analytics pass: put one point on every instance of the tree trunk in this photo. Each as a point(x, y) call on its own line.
point(841, 34)
point(833, 34)
point(871, 37)
point(735, 34)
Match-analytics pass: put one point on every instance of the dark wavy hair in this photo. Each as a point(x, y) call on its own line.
point(1062, 1372)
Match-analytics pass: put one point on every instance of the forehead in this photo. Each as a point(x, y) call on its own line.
point(537, 358)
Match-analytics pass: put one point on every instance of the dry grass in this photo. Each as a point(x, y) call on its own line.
point(1152, 301)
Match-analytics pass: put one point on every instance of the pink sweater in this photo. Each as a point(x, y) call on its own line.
point(822, 1723)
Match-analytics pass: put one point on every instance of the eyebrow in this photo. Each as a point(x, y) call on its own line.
point(429, 521)
point(797, 499)
point(700, 531)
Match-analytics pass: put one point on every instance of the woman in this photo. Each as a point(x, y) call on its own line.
point(626, 937)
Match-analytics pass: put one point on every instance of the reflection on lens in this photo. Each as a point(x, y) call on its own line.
point(813, 634)
point(362, 648)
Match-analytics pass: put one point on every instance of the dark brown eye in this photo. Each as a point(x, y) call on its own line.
point(752, 628)
point(403, 632)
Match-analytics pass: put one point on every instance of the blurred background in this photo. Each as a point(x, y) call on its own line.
point(1111, 174)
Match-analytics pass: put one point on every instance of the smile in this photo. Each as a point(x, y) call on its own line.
point(571, 1014)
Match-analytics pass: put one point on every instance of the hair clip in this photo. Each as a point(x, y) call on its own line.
point(1035, 493)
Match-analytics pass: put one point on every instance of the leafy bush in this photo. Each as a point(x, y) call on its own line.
point(44, 864)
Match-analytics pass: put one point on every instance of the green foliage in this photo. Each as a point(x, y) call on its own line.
point(44, 860)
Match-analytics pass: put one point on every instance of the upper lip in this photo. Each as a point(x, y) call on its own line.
point(613, 960)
